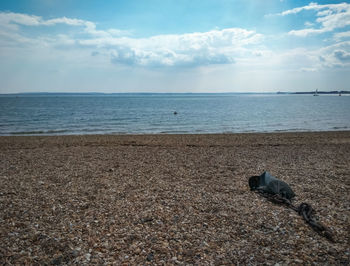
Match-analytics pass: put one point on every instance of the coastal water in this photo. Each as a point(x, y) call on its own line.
point(65, 114)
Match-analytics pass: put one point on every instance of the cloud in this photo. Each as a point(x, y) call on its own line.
point(314, 6)
point(342, 55)
point(191, 49)
point(308, 24)
point(336, 55)
point(165, 57)
point(329, 17)
point(312, 60)
point(12, 21)
point(341, 35)
point(194, 49)
point(308, 69)
point(306, 32)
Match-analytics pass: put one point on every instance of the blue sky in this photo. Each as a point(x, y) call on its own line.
point(174, 46)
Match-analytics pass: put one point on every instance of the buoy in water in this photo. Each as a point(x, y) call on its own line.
point(175, 113)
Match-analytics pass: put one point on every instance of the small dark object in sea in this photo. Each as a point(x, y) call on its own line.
point(175, 113)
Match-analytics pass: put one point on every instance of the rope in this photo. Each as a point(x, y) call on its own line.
point(305, 210)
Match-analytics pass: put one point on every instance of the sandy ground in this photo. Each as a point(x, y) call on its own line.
point(171, 199)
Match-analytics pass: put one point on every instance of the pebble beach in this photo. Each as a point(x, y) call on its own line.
point(171, 199)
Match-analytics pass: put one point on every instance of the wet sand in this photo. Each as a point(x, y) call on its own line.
point(171, 199)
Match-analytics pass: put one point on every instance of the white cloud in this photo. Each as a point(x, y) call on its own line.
point(308, 24)
point(342, 55)
point(213, 47)
point(67, 21)
point(306, 32)
point(308, 69)
point(191, 49)
point(341, 35)
point(329, 17)
point(314, 6)
point(336, 55)
point(15, 18)
point(11, 21)
point(306, 59)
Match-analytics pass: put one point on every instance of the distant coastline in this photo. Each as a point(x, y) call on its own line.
point(318, 92)
point(162, 93)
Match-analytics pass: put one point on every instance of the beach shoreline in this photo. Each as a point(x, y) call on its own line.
point(171, 198)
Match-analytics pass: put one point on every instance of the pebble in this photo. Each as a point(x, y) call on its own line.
point(150, 256)
point(137, 251)
point(87, 256)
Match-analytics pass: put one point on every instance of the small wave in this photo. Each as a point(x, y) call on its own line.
point(290, 130)
point(38, 132)
point(340, 127)
point(175, 132)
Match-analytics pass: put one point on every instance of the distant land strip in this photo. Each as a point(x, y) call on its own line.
point(162, 93)
point(313, 92)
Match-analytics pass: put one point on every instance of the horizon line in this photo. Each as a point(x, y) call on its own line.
point(109, 93)
point(147, 92)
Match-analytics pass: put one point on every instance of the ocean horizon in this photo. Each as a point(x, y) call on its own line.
point(170, 113)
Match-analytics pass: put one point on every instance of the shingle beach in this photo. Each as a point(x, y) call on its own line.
point(171, 199)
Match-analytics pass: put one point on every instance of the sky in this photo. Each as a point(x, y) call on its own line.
point(174, 45)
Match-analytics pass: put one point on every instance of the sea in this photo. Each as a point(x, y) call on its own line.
point(165, 113)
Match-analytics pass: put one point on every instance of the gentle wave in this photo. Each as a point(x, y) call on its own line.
point(38, 132)
point(340, 127)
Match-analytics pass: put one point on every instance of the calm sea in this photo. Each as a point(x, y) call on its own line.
point(60, 114)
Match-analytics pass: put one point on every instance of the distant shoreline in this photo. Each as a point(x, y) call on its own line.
point(318, 92)
point(163, 93)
